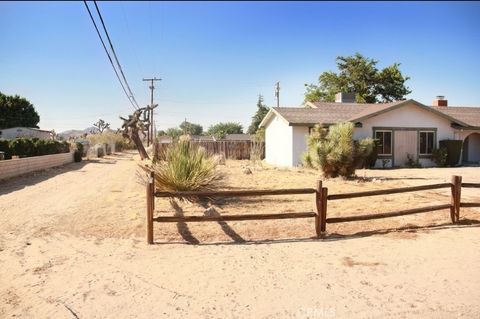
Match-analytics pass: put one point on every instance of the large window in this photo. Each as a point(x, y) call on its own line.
point(427, 142)
point(385, 142)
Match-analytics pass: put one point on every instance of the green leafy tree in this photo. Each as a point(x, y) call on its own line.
point(262, 110)
point(359, 74)
point(17, 111)
point(220, 130)
point(191, 128)
point(173, 132)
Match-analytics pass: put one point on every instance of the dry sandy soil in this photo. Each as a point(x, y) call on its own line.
point(72, 246)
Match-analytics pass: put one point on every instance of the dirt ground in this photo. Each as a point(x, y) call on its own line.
point(72, 245)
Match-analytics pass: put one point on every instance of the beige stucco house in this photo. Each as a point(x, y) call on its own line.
point(403, 127)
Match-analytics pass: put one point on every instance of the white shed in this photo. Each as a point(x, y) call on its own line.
point(27, 132)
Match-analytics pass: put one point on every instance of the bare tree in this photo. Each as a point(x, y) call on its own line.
point(101, 125)
point(131, 127)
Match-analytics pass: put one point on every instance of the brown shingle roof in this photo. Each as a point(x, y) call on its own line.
point(469, 115)
point(330, 113)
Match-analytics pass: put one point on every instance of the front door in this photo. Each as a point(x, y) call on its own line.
point(404, 143)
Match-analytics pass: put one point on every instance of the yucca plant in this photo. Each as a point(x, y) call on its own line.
point(187, 167)
point(335, 152)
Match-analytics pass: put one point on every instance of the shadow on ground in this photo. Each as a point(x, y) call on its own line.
point(463, 223)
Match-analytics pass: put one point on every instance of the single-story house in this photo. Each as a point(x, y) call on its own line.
point(27, 132)
point(403, 127)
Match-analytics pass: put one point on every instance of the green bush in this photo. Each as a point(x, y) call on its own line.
point(187, 168)
point(454, 149)
point(77, 156)
point(440, 156)
point(5, 147)
point(22, 147)
point(80, 148)
point(335, 152)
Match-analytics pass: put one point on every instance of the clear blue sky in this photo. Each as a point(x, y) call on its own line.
point(215, 58)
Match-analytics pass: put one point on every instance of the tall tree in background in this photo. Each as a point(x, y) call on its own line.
point(191, 128)
point(360, 75)
point(220, 130)
point(17, 111)
point(262, 110)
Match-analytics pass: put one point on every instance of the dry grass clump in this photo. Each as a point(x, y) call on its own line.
point(187, 167)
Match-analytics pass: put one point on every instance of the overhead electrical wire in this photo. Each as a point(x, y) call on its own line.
point(114, 53)
point(130, 97)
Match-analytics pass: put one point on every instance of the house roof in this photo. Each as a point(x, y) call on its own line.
point(330, 113)
point(26, 128)
point(237, 137)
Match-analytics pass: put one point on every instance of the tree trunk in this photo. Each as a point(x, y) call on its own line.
point(138, 143)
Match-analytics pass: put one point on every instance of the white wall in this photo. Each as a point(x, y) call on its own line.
point(17, 132)
point(299, 138)
point(20, 166)
point(278, 142)
point(474, 148)
point(408, 116)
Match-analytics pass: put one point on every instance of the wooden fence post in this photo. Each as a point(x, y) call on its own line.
point(323, 217)
point(318, 203)
point(456, 189)
point(150, 207)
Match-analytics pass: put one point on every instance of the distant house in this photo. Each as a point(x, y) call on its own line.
point(202, 138)
point(403, 127)
point(27, 132)
point(237, 137)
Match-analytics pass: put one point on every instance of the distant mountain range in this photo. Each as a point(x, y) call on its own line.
point(75, 133)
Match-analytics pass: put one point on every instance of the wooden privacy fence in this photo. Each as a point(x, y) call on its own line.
point(321, 200)
point(236, 150)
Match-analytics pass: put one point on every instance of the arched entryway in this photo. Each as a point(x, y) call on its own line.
point(471, 149)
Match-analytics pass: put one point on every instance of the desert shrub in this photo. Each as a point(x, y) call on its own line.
point(257, 147)
point(22, 147)
point(439, 156)
point(79, 147)
point(366, 152)
point(454, 149)
point(412, 162)
point(335, 152)
point(100, 152)
point(5, 147)
point(187, 168)
point(77, 156)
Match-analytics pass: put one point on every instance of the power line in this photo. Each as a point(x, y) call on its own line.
point(114, 53)
point(108, 54)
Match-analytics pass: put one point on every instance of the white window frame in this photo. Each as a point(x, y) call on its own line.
point(420, 145)
point(391, 142)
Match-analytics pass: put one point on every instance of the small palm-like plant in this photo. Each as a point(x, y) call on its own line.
point(187, 167)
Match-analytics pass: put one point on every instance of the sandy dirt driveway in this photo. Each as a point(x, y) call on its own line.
point(72, 246)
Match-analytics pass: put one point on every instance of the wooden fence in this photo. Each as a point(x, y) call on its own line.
point(321, 199)
point(236, 150)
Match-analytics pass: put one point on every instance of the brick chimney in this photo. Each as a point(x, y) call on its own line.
point(344, 97)
point(440, 101)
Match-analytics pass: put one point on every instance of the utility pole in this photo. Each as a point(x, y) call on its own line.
point(277, 93)
point(150, 136)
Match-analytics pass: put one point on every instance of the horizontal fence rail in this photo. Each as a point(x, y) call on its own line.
point(388, 215)
point(321, 201)
point(388, 191)
point(226, 218)
point(241, 193)
point(471, 185)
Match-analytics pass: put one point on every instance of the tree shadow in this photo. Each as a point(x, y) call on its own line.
point(229, 231)
point(182, 226)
